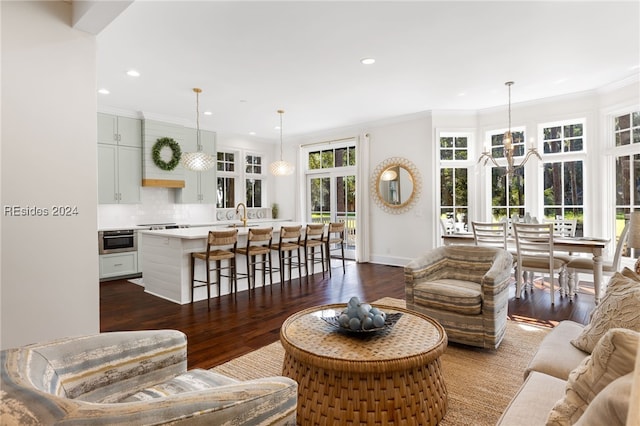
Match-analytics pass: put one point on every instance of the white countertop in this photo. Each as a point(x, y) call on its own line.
point(218, 224)
point(198, 232)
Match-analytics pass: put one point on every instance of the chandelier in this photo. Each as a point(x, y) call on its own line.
point(198, 161)
point(281, 167)
point(507, 143)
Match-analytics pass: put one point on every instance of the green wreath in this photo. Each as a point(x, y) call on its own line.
point(176, 153)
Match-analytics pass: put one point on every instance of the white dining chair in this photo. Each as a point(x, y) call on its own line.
point(534, 243)
point(584, 265)
point(492, 234)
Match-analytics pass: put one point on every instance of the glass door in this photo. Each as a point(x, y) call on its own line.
point(332, 199)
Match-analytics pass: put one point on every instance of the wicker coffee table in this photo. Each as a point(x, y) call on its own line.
point(392, 376)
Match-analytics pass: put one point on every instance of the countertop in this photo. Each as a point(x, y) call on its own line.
point(199, 232)
point(218, 224)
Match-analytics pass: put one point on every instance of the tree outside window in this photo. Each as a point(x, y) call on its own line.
point(454, 204)
point(626, 135)
point(563, 174)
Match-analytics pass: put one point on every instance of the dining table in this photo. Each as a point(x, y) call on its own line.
point(593, 245)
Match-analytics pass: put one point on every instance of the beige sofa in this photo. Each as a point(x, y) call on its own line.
point(585, 375)
point(132, 378)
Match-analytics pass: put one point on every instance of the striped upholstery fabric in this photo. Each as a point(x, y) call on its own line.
point(192, 380)
point(107, 367)
point(464, 297)
point(465, 288)
point(112, 379)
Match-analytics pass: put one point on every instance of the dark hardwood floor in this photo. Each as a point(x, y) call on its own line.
point(237, 324)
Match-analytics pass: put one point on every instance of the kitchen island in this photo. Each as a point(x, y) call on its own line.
point(166, 259)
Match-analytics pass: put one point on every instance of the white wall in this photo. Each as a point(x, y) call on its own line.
point(49, 285)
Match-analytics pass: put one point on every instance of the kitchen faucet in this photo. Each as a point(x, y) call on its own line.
point(244, 216)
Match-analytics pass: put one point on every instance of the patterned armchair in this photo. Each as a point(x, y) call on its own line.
point(132, 378)
point(466, 288)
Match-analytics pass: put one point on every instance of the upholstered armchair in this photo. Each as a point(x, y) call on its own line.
point(132, 378)
point(466, 288)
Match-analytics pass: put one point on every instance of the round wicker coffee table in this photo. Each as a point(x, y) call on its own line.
point(392, 376)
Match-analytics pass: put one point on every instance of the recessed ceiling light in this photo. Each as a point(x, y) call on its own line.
point(252, 133)
point(367, 61)
point(133, 73)
point(208, 113)
point(277, 128)
point(103, 91)
point(461, 94)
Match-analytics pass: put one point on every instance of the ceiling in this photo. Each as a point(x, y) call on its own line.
point(253, 58)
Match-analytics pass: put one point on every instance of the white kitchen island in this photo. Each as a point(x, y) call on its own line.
point(166, 260)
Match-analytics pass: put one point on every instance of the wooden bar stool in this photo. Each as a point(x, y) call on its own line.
point(258, 244)
point(313, 238)
point(335, 237)
point(216, 253)
point(289, 242)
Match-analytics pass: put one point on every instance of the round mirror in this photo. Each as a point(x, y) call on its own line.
point(395, 185)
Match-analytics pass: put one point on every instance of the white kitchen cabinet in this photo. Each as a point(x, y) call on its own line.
point(119, 174)
point(118, 264)
point(119, 159)
point(122, 131)
point(200, 187)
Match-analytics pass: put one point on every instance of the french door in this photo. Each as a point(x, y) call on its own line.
point(332, 198)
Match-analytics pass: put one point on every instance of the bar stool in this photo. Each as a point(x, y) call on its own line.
point(258, 244)
point(313, 238)
point(335, 235)
point(216, 253)
point(289, 242)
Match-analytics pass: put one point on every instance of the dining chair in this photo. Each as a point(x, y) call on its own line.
point(334, 241)
point(221, 245)
point(258, 244)
point(563, 227)
point(534, 243)
point(313, 239)
point(584, 265)
point(492, 234)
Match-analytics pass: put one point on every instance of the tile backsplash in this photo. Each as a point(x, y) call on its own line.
point(158, 206)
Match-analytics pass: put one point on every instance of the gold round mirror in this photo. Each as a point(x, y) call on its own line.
point(395, 185)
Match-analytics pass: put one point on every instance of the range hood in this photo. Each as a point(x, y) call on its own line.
point(152, 175)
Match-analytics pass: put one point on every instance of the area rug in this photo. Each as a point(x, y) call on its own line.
point(480, 382)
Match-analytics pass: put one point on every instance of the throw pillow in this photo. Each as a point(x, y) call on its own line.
point(611, 405)
point(613, 357)
point(618, 308)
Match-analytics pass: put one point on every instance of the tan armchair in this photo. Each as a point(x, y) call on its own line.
point(132, 378)
point(466, 288)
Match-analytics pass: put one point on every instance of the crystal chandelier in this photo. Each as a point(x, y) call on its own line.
point(198, 161)
point(281, 167)
point(507, 143)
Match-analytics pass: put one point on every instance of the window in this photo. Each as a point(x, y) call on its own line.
point(332, 157)
point(563, 184)
point(626, 133)
point(627, 128)
point(454, 148)
point(253, 164)
point(497, 147)
point(226, 179)
point(454, 155)
point(507, 193)
point(253, 180)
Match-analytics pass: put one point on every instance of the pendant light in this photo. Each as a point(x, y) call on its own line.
point(281, 167)
point(198, 161)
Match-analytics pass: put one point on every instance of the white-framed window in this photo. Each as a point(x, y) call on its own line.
point(563, 170)
point(626, 136)
point(254, 179)
point(226, 178)
point(454, 152)
point(507, 192)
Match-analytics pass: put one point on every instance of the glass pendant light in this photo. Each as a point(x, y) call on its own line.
point(281, 167)
point(198, 161)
